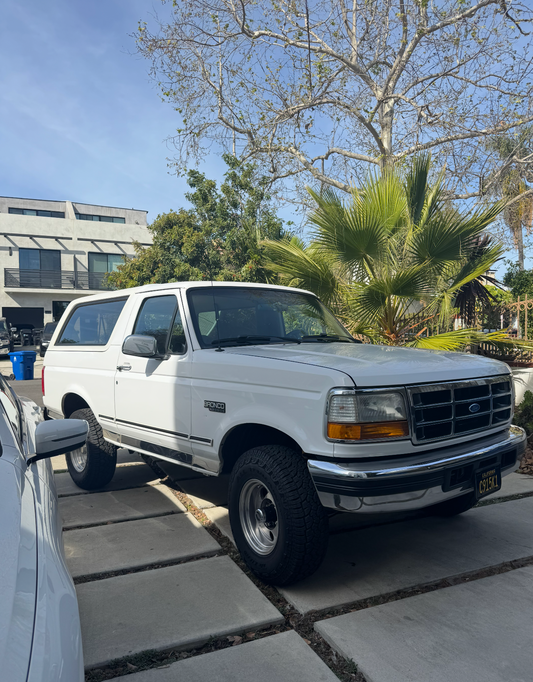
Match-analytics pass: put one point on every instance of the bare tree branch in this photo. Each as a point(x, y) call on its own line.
point(327, 89)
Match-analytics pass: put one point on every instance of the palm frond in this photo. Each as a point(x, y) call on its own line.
point(462, 338)
point(472, 270)
point(416, 186)
point(369, 300)
point(356, 236)
point(449, 341)
point(449, 237)
point(304, 267)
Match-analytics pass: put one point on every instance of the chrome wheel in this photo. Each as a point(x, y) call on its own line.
point(258, 517)
point(79, 458)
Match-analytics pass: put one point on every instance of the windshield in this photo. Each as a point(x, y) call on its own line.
point(3, 326)
point(244, 316)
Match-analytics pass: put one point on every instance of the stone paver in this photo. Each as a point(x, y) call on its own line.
point(479, 631)
point(207, 492)
point(119, 505)
point(280, 658)
point(178, 606)
point(118, 546)
point(374, 561)
point(131, 475)
point(220, 517)
point(514, 484)
point(59, 463)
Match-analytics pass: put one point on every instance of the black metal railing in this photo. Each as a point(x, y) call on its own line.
point(54, 279)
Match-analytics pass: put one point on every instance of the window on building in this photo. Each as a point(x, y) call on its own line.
point(32, 211)
point(104, 262)
point(39, 259)
point(91, 324)
point(100, 218)
point(40, 268)
point(58, 308)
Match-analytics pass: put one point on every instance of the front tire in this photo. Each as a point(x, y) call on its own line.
point(278, 523)
point(93, 465)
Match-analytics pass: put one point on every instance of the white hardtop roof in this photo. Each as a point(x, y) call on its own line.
point(184, 285)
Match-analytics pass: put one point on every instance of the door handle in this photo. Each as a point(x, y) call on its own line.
point(124, 368)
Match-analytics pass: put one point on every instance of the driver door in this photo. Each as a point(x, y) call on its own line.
point(152, 395)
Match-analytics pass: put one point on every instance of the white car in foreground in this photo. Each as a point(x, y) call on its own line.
point(40, 638)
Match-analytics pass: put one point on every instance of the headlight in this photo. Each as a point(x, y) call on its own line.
point(367, 416)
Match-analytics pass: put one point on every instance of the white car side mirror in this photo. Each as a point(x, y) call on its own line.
point(140, 345)
point(56, 437)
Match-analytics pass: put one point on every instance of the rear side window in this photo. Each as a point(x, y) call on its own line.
point(91, 324)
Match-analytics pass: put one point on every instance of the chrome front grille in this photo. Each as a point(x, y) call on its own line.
point(454, 409)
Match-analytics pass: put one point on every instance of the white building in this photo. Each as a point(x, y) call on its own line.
point(52, 252)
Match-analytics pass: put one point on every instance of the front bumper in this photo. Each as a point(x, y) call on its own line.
point(415, 482)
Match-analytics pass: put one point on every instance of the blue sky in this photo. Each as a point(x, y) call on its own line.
point(80, 118)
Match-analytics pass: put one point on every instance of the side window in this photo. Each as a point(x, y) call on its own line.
point(177, 336)
point(91, 324)
point(159, 317)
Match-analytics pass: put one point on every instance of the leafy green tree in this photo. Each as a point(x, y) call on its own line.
point(219, 238)
point(519, 281)
point(395, 259)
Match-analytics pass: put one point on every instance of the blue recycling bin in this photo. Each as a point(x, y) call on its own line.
point(23, 361)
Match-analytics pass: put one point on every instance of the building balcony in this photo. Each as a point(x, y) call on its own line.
point(15, 278)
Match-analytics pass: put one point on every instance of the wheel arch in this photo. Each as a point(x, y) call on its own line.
point(72, 402)
point(246, 436)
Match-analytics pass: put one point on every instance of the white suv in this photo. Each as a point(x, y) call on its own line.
point(264, 383)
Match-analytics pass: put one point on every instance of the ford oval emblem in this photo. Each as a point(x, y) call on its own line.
point(475, 407)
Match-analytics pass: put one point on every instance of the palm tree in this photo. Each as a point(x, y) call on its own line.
point(511, 182)
point(395, 259)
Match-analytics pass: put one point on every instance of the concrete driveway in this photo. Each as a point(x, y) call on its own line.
point(163, 595)
point(415, 599)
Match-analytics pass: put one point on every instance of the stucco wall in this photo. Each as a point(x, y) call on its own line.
point(132, 216)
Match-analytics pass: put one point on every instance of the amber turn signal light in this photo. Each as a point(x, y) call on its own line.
point(371, 431)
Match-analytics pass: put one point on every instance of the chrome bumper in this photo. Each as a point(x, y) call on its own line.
point(418, 481)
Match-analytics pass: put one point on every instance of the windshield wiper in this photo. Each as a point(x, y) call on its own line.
point(250, 339)
point(327, 338)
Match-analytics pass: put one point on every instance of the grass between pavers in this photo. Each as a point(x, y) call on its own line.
point(303, 625)
point(81, 579)
point(117, 521)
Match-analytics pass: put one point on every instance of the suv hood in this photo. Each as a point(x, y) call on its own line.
point(370, 366)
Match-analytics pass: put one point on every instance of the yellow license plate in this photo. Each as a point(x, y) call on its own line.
point(488, 481)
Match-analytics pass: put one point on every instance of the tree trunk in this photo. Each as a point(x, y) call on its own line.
point(386, 119)
point(519, 237)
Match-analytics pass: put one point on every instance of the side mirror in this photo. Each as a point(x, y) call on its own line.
point(58, 436)
point(141, 346)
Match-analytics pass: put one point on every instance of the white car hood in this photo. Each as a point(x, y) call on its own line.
point(371, 365)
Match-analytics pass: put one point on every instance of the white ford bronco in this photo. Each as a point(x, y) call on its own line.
point(264, 383)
